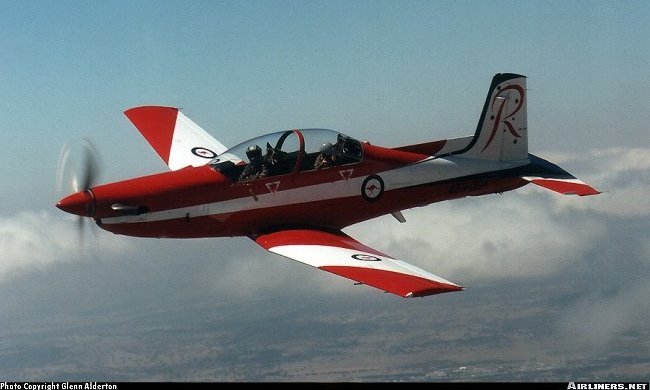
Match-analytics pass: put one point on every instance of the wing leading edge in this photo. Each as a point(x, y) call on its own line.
point(340, 254)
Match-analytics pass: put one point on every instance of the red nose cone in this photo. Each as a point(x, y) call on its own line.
point(79, 203)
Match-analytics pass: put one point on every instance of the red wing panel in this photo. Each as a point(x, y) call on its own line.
point(156, 124)
point(394, 282)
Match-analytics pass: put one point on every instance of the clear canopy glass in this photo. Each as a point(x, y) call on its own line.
point(289, 151)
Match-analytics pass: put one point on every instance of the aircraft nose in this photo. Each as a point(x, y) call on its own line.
point(79, 203)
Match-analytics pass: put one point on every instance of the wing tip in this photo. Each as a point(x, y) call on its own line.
point(443, 288)
point(149, 107)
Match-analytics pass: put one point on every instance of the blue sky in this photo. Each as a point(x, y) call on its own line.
point(390, 72)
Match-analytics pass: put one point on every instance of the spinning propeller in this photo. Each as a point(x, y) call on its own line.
point(81, 175)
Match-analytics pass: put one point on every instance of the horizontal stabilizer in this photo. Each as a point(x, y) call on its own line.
point(564, 186)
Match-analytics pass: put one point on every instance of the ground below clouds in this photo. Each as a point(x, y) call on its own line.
point(486, 333)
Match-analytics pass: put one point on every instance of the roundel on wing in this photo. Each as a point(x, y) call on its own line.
point(363, 257)
point(372, 188)
point(203, 152)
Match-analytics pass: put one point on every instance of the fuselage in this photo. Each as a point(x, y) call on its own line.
point(204, 202)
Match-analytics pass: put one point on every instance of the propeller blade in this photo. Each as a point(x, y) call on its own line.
point(80, 227)
point(90, 165)
point(61, 168)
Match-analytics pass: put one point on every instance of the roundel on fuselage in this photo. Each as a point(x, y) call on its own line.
point(372, 188)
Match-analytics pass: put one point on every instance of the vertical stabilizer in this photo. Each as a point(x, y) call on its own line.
point(502, 130)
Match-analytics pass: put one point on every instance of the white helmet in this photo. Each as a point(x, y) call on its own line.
point(327, 149)
point(254, 152)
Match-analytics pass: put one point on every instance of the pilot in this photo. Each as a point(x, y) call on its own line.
point(257, 168)
point(326, 158)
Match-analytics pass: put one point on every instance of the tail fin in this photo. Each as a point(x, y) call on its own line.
point(502, 135)
point(502, 131)
point(176, 138)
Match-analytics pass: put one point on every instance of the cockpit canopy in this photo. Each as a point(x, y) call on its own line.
point(289, 151)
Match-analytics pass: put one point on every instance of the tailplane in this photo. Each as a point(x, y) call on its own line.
point(550, 176)
point(502, 130)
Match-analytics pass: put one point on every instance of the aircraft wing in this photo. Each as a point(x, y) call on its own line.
point(176, 138)
point(340, 254)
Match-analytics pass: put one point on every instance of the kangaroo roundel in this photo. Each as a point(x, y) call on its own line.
point(372, 188)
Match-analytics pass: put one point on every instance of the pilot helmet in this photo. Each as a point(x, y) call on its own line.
point(254, 152)
point(327, 149)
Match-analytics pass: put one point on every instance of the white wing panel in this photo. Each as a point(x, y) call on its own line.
point(333, 256)
point(191, 145)
point(338, 253)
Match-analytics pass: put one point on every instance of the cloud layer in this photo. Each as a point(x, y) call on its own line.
point(553, 283)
